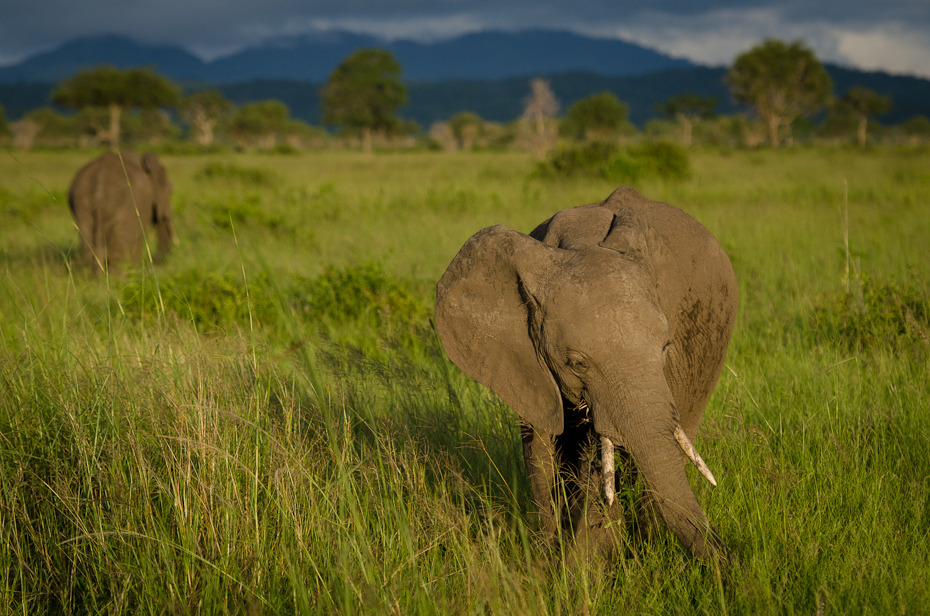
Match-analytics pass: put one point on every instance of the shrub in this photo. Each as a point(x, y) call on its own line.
point(362, 293)
point(875, 314)
point(244, 175)
point(568, 161)
point(207, 299)
point(243, 210)
point(659, 159)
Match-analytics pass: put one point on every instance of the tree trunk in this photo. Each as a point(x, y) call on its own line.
point(366, 139)
point(862, 134)
point(772, 125)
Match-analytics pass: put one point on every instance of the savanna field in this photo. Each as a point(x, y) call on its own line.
point(268, 424)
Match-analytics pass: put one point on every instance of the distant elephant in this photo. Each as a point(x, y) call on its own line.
point(114, 199)
point(605, 329)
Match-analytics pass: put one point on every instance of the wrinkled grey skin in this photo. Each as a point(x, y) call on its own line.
point(608, 320)
point(114, 199)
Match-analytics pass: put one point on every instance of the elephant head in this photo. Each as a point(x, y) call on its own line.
point(622, 308)
point(161, 202)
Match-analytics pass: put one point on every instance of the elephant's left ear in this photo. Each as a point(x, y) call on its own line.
point(482, 321)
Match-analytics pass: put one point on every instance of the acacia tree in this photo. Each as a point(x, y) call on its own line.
point(466, 126)
point(781, 81)
point(203, 111)
point(687, 110)
point(863, 102)
point(597, 116)
point(363, 94)
point(260, 121)
point(116, 90)
point(538, 127)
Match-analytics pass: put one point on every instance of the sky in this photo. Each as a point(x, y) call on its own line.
point(888, 35)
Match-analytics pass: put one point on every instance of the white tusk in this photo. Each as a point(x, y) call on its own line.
point(693, 455)
point(607, 469)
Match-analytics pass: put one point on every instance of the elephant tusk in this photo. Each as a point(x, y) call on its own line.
point(607, 469)
point(693, 455)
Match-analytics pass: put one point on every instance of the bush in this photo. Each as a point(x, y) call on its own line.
point(249, 176)
point(363, 294)
point(207, 299)
point(584, 160)
point(659, 159)
point(875, 314)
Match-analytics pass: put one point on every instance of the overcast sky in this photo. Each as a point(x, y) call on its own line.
point(890, 35)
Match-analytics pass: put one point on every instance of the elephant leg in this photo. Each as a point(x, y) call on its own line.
point(539, 452)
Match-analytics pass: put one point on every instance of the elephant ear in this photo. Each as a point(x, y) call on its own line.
point(149, 163)
point(482, 311)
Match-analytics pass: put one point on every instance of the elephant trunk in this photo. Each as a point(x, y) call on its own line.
point(650, 432)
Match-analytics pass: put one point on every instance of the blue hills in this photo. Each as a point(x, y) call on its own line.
point(484, 55)
point(487, 73)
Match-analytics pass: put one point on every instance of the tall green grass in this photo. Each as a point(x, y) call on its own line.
point(268, 424)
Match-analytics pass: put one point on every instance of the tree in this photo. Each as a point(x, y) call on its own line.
point(863, 102)
point(116, 90)
point(538, 127)
point(363, 94)
point(782, 81)
point(203, 111)
point(597, 116)
point(687, 110)
point(261, 121)
point(466, 126)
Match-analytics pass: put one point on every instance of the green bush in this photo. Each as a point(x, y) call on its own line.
point(362, 294)
point(874, 314)
point(659, 159)
point(249, 176)
point(207, 299)
point(246, 209)
point(584, 160)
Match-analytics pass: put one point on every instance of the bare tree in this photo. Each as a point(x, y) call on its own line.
point(538, 127)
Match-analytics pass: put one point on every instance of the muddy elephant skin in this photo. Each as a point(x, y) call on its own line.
point(605, 330)
point(114, 200)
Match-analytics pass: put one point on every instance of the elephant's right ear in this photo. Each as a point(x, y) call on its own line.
point(482, 320)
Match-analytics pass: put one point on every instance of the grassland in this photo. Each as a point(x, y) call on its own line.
point(267, 424)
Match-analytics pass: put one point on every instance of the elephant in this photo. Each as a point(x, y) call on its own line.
point(605, 329)
point(114, 199)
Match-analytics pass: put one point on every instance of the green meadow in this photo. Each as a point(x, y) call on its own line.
point(267, 423)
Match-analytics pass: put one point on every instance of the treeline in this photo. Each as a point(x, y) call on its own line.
point(365, 103)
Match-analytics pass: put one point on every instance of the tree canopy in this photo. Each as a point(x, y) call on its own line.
point(688, 109)
point(781, 81)
point(364, 93)
point(597, 116)
point(261, 121)
point(863, 102)
point(116, 90)
point(203, 111)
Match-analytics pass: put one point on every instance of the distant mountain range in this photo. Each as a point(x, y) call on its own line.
point(485, 55)
point(487, 73)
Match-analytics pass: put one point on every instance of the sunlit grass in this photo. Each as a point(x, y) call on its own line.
point(268, 424)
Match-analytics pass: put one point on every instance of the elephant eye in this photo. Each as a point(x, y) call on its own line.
point(576, 362)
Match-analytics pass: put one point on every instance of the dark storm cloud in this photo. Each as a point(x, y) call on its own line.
point(888, 34)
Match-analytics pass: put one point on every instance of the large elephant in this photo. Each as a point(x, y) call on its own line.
point(605, 329)
point(114, 199)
